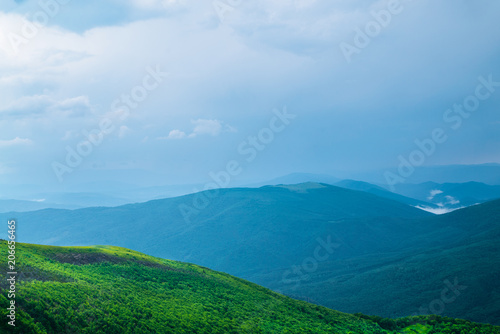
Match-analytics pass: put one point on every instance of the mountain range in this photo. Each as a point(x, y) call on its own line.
point(345, 249)
point(468, 185)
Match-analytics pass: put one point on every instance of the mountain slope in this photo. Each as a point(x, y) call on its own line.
point(379, 191)
point(452, 195)
point(296, 178)
point(461, 247)
point(110, 290)
point(9, 205)
point(485, 173)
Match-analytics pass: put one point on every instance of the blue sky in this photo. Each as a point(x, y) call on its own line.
point(215, 71)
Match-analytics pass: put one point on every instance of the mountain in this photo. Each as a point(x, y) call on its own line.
point(296, 178)
point(105, 289)
point(87, 195)
point(458, 249)
point(450, 195)
point(323, 243)
point(379, 191)
point(431, 196)
point(484, 173)
point(61, 200)
point(265, 228)
point(24, 206)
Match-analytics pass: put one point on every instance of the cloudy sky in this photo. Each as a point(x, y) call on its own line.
point(168, 91)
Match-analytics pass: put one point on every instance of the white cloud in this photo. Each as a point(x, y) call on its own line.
point(174, 134)
point(15, 141)
point(37, 105)
point(437, 211)
point(46, 52)
point(452, 200)
point(124, 131)
point(209, 127)
point(433, 194)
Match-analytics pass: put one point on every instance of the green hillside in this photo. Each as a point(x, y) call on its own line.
point(109, 290)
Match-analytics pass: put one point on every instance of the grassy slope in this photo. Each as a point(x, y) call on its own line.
point(114, 290)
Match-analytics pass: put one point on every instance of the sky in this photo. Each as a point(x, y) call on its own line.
point(156, 92)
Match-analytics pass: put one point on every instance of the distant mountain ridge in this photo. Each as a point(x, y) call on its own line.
point(113, 193)
point(379, 191)
point(485, 173)
point(24, 206)
point(450, 194)
point(296, 178)
point(430, 195)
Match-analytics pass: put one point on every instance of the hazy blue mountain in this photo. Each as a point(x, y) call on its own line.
point(114, 193)
point(452, 195)
point(144, 194)
point(132, 193)
point(88, 199)
point(91, 195)
point(265, 228)
point(437, 197)
point(24, 206)
point(296, 178)
point(484, 173)
point(379, 191)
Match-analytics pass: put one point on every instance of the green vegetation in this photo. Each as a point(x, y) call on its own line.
point(430, 324)
point(114, 290)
